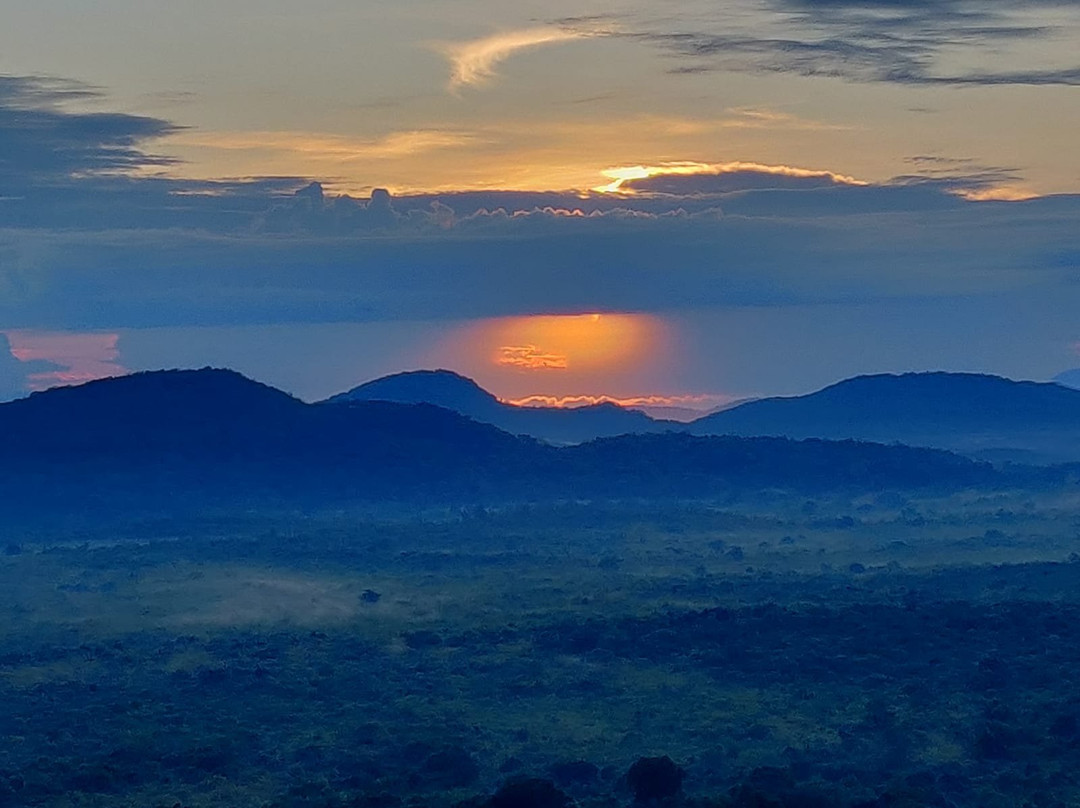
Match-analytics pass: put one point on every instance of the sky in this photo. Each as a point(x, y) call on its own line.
point(665, 202)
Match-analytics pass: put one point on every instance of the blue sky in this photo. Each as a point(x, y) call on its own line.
point(796, 191)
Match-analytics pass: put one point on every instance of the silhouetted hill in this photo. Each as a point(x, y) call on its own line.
point(178, 411)
point(677, 465)
point(188, 439)
point(178, 434)
point(444, 388)
point(1069, 378)
point(984, 416)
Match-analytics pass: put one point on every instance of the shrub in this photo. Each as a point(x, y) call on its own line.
point(531, 792)
point(654, 778)
point(577, 772)
point(451, 768)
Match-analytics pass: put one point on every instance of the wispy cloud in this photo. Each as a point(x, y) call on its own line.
point(913, 42)
point(530, 357)
point(42, 140)
point(692, 401)
point(348, 163)
point(474, 62)
point(333, 147)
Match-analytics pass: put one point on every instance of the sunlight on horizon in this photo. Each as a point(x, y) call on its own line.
point(583, 342)
point(610, 354)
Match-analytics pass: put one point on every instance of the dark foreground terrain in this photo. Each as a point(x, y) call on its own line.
point(780, 650)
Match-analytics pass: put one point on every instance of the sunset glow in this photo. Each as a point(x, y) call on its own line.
point(673, 407)
point(613, 355)
point(582, 342)
point(696, 402)
point(576, 201)
point(620, 176)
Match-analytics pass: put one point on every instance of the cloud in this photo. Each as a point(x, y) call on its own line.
point(60, 358)
point(701, 402)
point(530, 357)
point(704, 178)
point(473, 63)
point(89, 243)
point(331, 148)
point(15, 373)
point(43, 142)
point(914, 42)
point(771, 247)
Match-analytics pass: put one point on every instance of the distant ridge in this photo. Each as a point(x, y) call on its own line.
point(212, 412)
point(172, 440)
point(1069, 378)
point(981, 415)
point(445, 388)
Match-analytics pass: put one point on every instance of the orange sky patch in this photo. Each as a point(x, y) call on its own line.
point(593, 342)
point(615, 353)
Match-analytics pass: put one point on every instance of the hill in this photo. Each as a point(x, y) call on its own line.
point(213, 434)
point(192, 439)
point(1069, 378)
point(979, 415)
point(444, 388)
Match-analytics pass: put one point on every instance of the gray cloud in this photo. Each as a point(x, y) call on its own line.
point(41, 141)
point(83, 248)
point(899, 41)
point(769, 248)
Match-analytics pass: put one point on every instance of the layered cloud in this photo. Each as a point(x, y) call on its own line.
point(89, 242)
point(952, 42)
point(322, 259)
point(703, 178)
point(43, 143)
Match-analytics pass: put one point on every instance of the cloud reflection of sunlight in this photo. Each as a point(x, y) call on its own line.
point(78, 357)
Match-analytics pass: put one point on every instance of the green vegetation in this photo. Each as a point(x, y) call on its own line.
point(873, 651)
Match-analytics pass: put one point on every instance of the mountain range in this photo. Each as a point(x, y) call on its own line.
point(444, 388)
point(986, 417)
point(192, 439)
point(982, 416)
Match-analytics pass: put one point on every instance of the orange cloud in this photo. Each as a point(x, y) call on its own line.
point(695, 402)
point(329, 147)
point(78, 357)
point(529, 357)
point(1001, 193)
point(624, 174)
